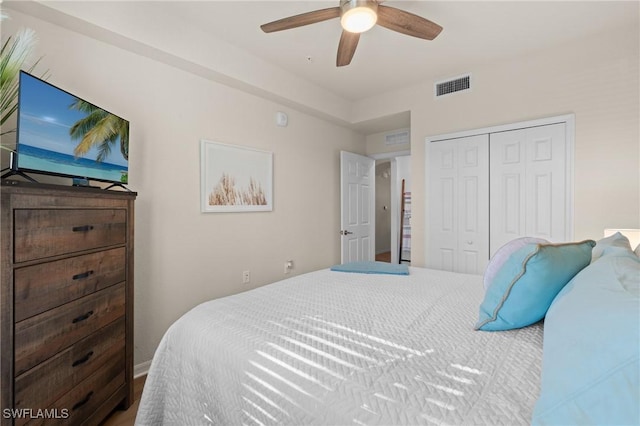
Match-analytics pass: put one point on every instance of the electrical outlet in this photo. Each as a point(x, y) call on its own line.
point(246, 277)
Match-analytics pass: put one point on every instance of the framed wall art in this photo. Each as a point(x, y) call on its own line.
point(235, 178)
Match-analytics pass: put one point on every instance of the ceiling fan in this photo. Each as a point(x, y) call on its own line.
point(356, 17)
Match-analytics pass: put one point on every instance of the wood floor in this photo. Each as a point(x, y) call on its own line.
point(128, 417)
point(384, 257)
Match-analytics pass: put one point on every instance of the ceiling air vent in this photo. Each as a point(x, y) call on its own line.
point(454, 85)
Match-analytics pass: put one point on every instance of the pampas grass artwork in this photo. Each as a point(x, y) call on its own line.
point(226, 194)
point(235, 178)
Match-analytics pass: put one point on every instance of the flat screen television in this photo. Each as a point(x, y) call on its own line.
point(61, 134)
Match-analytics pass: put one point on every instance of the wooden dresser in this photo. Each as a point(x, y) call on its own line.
point(66, 323)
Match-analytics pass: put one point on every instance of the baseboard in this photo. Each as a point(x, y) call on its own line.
point(141, 369)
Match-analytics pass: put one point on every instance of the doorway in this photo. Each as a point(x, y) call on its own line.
point(391, 170)
point(383, 210)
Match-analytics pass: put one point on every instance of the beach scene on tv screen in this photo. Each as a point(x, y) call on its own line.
point(63, 134)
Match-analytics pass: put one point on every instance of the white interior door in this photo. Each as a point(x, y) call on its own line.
point(459, 205)
point(528, 184)
point(357, 188)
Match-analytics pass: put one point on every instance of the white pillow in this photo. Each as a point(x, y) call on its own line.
point(503, 253)
point(603, 245)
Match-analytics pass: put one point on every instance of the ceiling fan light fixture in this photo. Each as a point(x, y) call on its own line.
point(358, 16)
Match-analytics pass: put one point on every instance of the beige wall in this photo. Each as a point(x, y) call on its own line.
point(184, 257)
point(595, 78)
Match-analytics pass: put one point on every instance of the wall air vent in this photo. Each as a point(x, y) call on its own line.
point(397, 138)
point(457, 84)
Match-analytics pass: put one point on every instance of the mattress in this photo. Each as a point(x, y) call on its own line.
point(338, 348)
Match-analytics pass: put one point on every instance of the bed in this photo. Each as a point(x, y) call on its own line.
point(337, 348)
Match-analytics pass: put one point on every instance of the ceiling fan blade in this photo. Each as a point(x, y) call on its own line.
point(301, 20)
point(347, 47)
point(407, 23)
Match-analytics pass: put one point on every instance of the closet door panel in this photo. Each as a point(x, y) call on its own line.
point(443, 206)
point(473, 215)
point(470, 263)
point(507, 185)
point(527, 184)
point(546, 182)
point(541, 210)
point(459, 210)
point(509, 208)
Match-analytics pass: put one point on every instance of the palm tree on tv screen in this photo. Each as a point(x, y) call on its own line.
point(99, 128)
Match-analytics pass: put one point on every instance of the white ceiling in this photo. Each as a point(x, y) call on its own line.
point(222, 40)
point(474, 32)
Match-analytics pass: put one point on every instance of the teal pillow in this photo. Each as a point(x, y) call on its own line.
point(524, 287)
point(591, 358)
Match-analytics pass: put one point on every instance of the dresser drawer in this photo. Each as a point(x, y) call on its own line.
point(44, 384)
point(44, 335)
point(50, 232)
point(45, 286)
point(86, 397)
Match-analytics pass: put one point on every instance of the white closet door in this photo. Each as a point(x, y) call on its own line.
point(528, 184)
point(443, 172)
point(459, 207)
point(473, 215)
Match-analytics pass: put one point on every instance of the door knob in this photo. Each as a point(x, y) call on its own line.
point(345, 232)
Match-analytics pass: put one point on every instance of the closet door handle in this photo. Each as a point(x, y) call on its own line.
point(345, 232)
point(85, 228)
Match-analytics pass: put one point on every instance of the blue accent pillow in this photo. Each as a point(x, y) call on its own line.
point(591, 358)
point(372, 268)
point(524, 287)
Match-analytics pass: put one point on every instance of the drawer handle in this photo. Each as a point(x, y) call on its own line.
point(85, 228)
point(81, 403)
point(82, 275)
point(82, 360)
point(82, 317)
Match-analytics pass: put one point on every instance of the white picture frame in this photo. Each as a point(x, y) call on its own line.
point(235, 178)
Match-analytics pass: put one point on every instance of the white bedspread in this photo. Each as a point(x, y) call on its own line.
point(342, 349)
